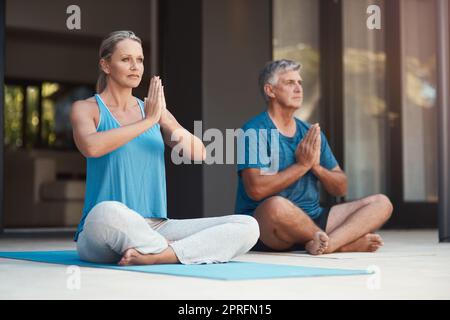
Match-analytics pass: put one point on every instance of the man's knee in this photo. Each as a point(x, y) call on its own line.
point(384, 201)
point(276, 209)
point(279, 211)
point(275, 201)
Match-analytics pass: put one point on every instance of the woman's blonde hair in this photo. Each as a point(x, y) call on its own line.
point(107, 49)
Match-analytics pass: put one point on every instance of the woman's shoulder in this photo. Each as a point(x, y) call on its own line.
point(87, 107)
point(89, 102)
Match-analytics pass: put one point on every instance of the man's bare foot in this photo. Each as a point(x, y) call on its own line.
point(318, 244)
point(371, 242)
point(133, 257)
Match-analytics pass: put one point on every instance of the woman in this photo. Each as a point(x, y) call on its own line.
point(124, 216)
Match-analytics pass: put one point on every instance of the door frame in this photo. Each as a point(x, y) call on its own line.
point(2, 102)
point(443, 61)
point(331, 106)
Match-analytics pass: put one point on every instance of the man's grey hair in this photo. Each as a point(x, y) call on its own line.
point(269, 75)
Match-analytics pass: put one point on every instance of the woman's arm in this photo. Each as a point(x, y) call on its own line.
point(174, 134)
point(93, 144)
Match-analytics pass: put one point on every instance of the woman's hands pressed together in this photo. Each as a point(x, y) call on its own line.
point(155, 103)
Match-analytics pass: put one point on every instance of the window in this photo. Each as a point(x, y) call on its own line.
point(37, 114)
point(419, 122)
point(296, 37)
point(364, 101)
point(14, 96)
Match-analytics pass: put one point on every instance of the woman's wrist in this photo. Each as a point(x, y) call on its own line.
point(150, 122)
point(167, 120)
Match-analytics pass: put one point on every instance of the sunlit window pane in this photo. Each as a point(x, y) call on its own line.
point(13, 113)
point(364, 102)
point(296, 37)
point(419, 100)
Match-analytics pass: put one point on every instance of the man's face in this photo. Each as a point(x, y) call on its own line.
point(289, 91)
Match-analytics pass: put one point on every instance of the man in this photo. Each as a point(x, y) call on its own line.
point(286, 203)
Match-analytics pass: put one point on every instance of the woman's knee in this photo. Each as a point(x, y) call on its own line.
point(101, 210)
point(249, 230)
point(106, 207)
point(93, 249)
point(252, 228)
point(112, 226)
point(113, 214)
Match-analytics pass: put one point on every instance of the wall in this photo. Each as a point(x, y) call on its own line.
point(236, 45)
point(39, 45)
point(212, 52)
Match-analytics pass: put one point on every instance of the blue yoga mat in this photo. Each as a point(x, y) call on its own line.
point(235, 270)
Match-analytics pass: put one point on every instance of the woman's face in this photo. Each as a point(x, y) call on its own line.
point(126, 64)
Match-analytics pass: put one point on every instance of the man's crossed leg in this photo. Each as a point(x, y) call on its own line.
point(350, 226)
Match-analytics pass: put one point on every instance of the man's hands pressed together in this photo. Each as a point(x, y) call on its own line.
point(308, 150)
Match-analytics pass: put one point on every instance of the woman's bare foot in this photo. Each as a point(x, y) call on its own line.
point(318, 244)
point(133, 257)
point(371, 242)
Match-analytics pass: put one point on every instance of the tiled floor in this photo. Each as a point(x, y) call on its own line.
point(412, 265)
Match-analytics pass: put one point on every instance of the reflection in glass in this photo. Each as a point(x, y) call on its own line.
point(48, 113)
point(52, 124)
point(364, 101)
point(296, 37)
point(419, 122)
point(32, 102)
point(13, 114)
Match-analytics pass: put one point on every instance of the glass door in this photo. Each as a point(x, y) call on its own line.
point(364, 102)
point(296, 37)
point(389, 114)
point(418, 114)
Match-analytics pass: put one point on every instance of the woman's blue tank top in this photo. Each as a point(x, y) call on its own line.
point(133, 174)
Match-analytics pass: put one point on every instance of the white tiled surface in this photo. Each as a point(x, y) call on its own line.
point(412, 265)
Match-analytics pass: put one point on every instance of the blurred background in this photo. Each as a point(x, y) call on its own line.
point(374, 92)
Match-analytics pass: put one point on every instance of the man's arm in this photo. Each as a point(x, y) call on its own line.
point(259, 186)
point(334, 181)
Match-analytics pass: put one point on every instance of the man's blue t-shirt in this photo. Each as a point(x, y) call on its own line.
point(304, 192)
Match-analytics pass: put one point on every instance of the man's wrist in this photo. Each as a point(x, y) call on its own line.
point(301, 167)
point(316, 169)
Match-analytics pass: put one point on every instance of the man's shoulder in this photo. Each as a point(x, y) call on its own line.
point(258, 121)
point(302, 124)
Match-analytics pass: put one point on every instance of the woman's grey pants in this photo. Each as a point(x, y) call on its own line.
point(111, 228)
